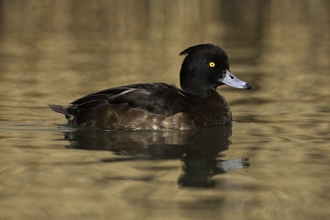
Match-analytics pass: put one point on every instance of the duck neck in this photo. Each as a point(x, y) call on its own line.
point(193, 82)
point(194, 88)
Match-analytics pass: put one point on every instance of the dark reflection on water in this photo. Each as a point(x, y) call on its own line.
point(197, 150)
point(56, 51)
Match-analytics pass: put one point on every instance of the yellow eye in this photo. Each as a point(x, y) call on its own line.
point(212, 64)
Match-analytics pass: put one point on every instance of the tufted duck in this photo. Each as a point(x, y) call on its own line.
point(160, 106)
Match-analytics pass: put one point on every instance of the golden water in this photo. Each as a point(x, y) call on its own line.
point(57, 51)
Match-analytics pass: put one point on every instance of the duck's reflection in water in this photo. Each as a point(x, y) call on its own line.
point(198, 150)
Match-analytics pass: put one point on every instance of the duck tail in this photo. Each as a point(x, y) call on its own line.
point(65, 111)
point(59, 109)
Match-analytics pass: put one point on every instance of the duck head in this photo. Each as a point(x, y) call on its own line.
point(206, 67)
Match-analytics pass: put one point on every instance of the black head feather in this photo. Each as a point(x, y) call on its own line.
point(205, 49)
point(196, 76)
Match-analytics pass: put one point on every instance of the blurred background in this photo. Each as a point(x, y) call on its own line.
point(81, 46)
point(59, 50)
point(55, 51)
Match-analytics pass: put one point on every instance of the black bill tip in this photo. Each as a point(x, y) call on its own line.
point(247, 86)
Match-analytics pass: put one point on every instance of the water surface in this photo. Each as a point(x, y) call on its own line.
point(272, 163)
